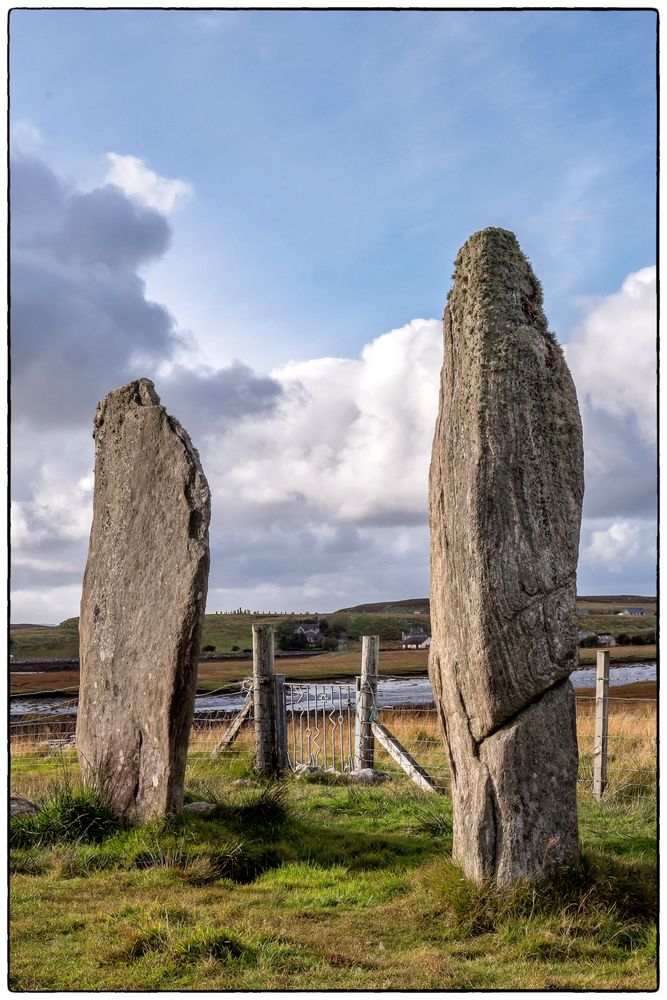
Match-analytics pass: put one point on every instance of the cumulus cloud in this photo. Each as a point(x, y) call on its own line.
point(612, 354)
point(612, 547)
point(133, 176)
point(350, 440)
point(81, 324)
point(79, 314)
point(618, 556)
point(213, 400)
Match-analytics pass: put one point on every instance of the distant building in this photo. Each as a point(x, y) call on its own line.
point(582, 611)
point(631, 612)
point(416, 640)
point(606, 640)
point(418, 630)
point(311, 632)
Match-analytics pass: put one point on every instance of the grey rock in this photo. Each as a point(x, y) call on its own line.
point(142, 606)
point(18, 806)
point(308, 770)
point(368, 776)
point(505, 498)
point(200, 808)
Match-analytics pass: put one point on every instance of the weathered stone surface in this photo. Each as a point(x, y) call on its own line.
point(505, 497)
point(144, 594)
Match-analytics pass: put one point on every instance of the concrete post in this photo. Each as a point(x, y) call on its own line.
point(601, 724)
point(364, 741)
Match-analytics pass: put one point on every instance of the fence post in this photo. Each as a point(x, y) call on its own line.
point(281, 721)
point(364, 740)
point(601, 724)
point(266, 748)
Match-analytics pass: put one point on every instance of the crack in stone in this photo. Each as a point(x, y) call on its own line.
point(513, 718)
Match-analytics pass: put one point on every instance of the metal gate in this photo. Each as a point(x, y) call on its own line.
point(320, 725)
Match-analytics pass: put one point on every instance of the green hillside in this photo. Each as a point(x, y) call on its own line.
point(226, 631)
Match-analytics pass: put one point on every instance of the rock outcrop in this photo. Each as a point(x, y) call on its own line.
point(505, 498)
point(142, 607)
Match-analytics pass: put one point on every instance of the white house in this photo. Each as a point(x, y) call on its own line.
point(416, 640)
point(311, 632)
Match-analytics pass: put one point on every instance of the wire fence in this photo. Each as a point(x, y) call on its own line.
point(320, 732)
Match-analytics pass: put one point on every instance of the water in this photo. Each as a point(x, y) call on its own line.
point(392, 692)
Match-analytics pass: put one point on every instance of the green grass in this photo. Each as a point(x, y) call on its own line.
point(61, 641)
point(295, 886)
point(615, 625)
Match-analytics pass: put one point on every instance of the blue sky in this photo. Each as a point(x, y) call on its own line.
point(331, 164)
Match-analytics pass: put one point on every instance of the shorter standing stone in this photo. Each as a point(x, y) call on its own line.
point(142, 607)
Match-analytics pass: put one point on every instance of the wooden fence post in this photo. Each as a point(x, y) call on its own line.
point(601, 724)
point(364, 740)
point(264, 694)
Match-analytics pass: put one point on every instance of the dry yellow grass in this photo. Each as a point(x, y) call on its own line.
point(632, 745)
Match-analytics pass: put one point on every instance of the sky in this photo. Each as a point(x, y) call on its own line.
point(260, 211)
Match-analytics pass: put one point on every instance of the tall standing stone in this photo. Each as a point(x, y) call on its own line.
point(142, 608)
point(505, 496)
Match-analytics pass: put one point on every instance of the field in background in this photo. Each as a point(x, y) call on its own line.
point(386, 620)
point(222, 631)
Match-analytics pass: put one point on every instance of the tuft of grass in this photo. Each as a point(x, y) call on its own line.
point(210, 942)
point(175, 942)
point(70, 815)
point(258, 811)
point(602, 886)
point(202, 863)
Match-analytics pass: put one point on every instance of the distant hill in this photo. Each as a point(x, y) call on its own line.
point(618, 599)
point(416, 604)
point(422, 604)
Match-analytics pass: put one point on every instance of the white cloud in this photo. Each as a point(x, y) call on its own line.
point(46, 606)
point(350, 438)
point(612, 354)
point(613, 547)
point(139, 182)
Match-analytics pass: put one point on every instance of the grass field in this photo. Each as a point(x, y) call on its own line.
point(317, 886)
